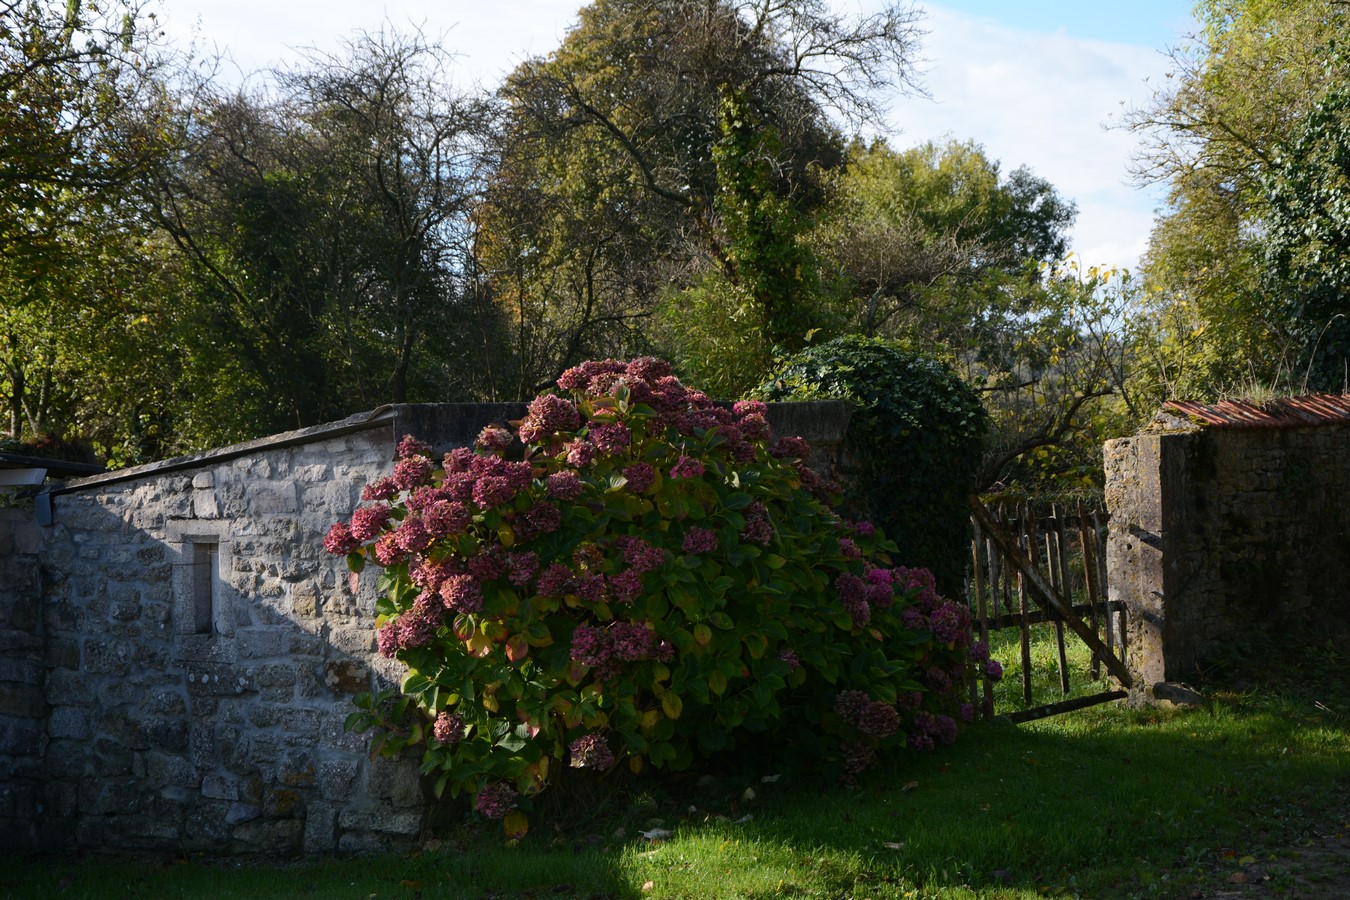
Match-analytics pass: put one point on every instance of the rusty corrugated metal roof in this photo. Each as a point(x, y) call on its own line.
point(1287, 412)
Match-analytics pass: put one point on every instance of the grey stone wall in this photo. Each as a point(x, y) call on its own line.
point(201, 655)
point(179, 653)
point(22, 670)
point(1223, 537)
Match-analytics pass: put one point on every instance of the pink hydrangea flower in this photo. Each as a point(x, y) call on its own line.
point(339, 539)
point(410, 446)
point(448, 728)
point(368, 520)
point(699, 540)
point(686, 467)
point(494, 801)
point(590, 752)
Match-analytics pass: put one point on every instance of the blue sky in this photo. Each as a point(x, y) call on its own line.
point(1149, 23)
point(1035, 83)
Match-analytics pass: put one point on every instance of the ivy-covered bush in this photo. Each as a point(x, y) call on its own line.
point(914, 443)
point(649, 580)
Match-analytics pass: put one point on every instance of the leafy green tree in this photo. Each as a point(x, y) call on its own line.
point(1308, 241)
point(74, 78)
point(618, 125)
point(326, 230)
point(1238, 93)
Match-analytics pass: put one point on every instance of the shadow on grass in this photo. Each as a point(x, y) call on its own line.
point(1106, 802)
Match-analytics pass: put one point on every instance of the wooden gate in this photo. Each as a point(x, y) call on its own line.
point(1034, 566)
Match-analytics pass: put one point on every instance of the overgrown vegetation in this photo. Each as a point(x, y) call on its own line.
point(914, 445)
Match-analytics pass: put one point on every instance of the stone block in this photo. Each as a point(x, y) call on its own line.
point(395, 779)
point(166, 769)
point(239, 813)
point(320, 829)
point(380, 819)
point(220, 787)
point(68, 722)
point(282, 837)
point(24, 700)
point(346, 676)
point(19, 735)
point(337, 779)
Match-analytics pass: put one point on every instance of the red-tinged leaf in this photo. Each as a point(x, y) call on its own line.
point(516, 825)
point(517, 648)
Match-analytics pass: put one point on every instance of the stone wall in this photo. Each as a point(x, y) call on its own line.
point(180, 653)
point(22, 671)
point(1221, 537)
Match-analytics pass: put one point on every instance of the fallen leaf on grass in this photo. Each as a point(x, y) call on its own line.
point(648, 885)
point(909, 786)
point(410, 884)
point(1237, 878)
point(658, 834)
point(894, 845)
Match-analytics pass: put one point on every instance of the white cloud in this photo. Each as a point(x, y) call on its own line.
point(1042, 100)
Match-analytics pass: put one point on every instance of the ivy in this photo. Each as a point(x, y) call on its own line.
point(913, 446)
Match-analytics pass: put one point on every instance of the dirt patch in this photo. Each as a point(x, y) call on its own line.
point(1316, 867)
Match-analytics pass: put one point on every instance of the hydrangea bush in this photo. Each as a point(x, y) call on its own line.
point(635, 576)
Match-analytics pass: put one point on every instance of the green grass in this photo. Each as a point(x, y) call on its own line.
point(1107, 802)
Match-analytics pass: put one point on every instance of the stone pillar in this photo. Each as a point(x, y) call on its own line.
point(23, 708)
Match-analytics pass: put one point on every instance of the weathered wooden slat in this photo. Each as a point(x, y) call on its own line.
point(1041, 592)
point(1022, 609)
point(1063, 706)
point(982, 611)
point(1089, 548)
point(1040, 616)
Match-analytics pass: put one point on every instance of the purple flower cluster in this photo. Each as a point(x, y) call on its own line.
point(632, 641)
point(880, 592)
point(852, 592)
point(412, 472)
point(410, 446)
point(857, 756)
point(640, 476)
point(339, 539)
point(950, 623)
point(590, 752)
point(789, 656)
point(699, 540)
point(929, 731)
point(494, 439)
point(757, 529)
point(462, 593)
point(448, 728)
point(494, 801)
point(368, 520)
point(610, 437)
point(791, 447)
point(522, 567)
point(871, 717)
point(626, 586)
point(639, 554)
point(564, 485)
point(549, 415)
point(590, 646)
point(686, 467)
point(446, 517)
point(384, 489)
point(993, 670)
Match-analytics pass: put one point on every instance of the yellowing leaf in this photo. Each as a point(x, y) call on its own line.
point(650, 718)
point(635, 765)
point(516, 825)
point(717, 682)
point(702, 634)
point(672, 704)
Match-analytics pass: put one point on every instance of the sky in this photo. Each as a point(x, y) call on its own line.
point(1037, 84)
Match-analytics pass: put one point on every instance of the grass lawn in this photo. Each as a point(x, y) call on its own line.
point(1106, 802)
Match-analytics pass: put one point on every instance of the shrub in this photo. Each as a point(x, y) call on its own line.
point(655, 579)
point(914, 444)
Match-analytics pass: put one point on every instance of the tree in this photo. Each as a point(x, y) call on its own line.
point(1213, 132)
point(1308, 242)
point(619, 125)
point(327, 230)
point(912, 231)
point(73, 78)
